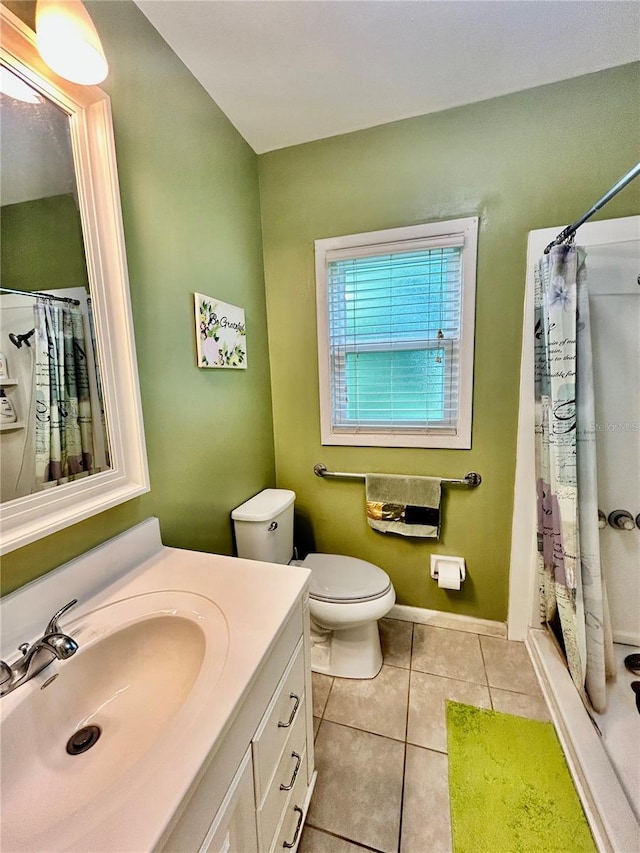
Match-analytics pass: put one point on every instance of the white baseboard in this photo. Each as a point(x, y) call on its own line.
point(442, 619)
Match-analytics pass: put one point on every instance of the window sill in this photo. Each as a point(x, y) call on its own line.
point(363, 439)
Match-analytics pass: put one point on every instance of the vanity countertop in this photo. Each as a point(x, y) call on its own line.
point(256, 600)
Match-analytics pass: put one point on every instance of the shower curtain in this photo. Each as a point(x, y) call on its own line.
point(63, 423)
point(572, 592)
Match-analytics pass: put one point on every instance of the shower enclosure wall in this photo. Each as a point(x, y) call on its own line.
point(604, 754)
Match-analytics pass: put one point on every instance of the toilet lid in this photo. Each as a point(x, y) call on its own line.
point(338, 578)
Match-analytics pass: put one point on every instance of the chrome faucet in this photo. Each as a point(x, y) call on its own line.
point(53, 645)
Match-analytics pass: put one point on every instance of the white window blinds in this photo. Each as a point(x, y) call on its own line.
point(394, 335)
point(391, 341)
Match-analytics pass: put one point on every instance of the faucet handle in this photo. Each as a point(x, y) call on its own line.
point(53, 627)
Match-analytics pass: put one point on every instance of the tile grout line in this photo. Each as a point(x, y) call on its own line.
point(427, 748)
point(413, 633)
point(486, 674)
point(326, 701)
point(404, 773)
point(365, 731)
point(358, 844)
point(406, 734)
point(396, 666)
point(453, 678)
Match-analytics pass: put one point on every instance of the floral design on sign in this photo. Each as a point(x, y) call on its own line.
point(220, 333)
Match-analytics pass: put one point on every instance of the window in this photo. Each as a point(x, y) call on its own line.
point(395, 335)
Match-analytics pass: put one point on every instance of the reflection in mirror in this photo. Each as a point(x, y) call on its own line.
point(68, 374)
point(52, 424)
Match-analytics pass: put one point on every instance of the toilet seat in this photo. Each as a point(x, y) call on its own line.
point(348, 580)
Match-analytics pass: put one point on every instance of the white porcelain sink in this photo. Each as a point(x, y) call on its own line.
point(145, 665)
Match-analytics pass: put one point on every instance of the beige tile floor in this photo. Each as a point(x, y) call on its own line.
point(381, 745)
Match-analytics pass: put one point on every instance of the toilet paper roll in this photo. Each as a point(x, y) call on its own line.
point(448, 575)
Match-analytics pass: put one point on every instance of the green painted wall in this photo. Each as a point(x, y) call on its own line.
point(530, 160)
point(189, 186)
point(41, 244)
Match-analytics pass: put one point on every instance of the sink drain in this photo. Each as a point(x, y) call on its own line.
point(83, 739)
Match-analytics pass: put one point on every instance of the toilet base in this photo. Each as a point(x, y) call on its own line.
point(347, 652)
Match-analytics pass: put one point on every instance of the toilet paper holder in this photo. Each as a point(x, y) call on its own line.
point(440, 560)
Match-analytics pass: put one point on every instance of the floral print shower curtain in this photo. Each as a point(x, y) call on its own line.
point(572, 592)
point(63, 422)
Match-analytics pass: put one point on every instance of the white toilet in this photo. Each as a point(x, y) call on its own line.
point(347, 595)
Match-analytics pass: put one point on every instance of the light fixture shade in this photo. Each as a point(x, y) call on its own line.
point(68, 41)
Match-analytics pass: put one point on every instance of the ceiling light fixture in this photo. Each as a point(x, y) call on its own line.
point(68, 41)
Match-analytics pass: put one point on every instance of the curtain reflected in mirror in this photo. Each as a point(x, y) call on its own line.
point(52, 420)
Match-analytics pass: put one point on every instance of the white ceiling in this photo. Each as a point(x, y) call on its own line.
point(291, 71)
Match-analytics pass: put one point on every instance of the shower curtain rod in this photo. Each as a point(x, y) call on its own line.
point(570, 230)
point(35, 294)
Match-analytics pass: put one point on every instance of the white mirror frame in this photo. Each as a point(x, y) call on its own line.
point(32, 517)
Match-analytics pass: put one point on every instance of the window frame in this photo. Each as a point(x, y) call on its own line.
point(441, 234)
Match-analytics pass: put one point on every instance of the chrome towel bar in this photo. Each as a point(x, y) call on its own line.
point(471, 479)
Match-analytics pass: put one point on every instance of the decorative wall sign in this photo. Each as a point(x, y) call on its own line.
point(220, 333)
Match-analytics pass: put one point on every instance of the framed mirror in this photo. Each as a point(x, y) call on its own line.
point(74, 124)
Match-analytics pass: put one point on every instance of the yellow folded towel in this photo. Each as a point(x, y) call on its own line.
point(405, 505)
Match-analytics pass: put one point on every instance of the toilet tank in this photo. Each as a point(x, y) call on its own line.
point(264, 526)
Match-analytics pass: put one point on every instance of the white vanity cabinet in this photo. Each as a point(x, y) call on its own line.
point(254, 794)
point(229, 770)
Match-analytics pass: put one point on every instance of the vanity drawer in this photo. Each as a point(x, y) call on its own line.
point(293, 763)
point(290, 829)
point(286, 706)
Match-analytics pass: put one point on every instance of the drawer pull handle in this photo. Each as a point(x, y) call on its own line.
point(295, 836)
point(295, 773)
point(282, 725)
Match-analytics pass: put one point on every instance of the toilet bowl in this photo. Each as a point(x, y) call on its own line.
point(347, 596)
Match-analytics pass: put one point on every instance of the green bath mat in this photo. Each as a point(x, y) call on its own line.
point(510, 787)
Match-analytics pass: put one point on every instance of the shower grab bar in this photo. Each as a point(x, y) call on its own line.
point(471, 479)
